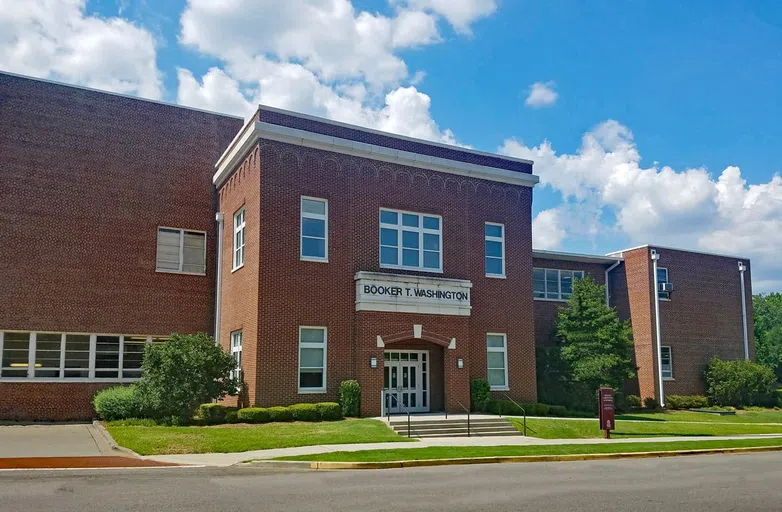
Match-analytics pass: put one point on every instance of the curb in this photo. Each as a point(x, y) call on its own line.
point(534, 458)
point(104, 434)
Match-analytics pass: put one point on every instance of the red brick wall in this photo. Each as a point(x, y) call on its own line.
point(87, 179)
point(294, 292)
point(48, 401)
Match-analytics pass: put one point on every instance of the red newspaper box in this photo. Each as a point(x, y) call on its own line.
point(606, 404)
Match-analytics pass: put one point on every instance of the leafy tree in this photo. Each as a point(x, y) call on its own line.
point(596, 345)
point(767, 314)
point(182, 374)
point(739, 383)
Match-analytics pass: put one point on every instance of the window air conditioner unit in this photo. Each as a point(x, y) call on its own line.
point(665, 287)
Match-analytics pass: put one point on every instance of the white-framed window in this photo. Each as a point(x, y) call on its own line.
point(666, 362)
point(411, 241)
point(662, 277)
point(497, 360)
point(554, 284)
point(181, 251)
point(312, 359)
point(314, 229)
point(239, 225)
point(236, 353)
point(494, 248)
point(72, 356)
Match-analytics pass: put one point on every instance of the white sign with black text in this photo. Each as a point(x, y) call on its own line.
point(412, 294)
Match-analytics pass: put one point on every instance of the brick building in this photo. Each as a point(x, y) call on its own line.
point(315, 251)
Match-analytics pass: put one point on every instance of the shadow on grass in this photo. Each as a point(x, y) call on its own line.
point(657, 434)
point(637, 417)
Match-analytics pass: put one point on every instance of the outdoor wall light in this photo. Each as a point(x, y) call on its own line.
point(373, 362)
point(460, 363)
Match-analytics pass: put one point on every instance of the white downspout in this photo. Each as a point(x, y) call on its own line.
point(609, 269)
point(219, 217)
point(655, 257)
point(742, 268)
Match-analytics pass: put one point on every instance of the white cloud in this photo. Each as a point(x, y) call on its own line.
point(547, 230)
point(659, 205)
point(56, 39)
point(541, 94)
point(459, 13)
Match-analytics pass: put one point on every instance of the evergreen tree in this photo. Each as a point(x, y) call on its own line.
point(596, 345)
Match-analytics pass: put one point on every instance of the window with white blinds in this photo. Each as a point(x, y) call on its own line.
point(180, 250)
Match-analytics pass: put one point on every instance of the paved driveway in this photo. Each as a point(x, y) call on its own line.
point(72, 440)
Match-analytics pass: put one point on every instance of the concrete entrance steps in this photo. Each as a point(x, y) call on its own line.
point(456, 427)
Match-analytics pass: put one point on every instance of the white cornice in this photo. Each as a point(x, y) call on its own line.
point(252, 132)
point(572, 256)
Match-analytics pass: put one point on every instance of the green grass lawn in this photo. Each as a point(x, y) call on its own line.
point(556, 428)
point(457, 452)
point(740, 417)
point(242, 438)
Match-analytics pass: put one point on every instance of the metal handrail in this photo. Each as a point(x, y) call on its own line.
point(523, 411)
point(468, 415)
point(400, 404)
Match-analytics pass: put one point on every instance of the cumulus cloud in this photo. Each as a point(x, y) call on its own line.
point(659, 205)
point(57, 39)
point(459, 13)
point(541, 94)
point(547, 229)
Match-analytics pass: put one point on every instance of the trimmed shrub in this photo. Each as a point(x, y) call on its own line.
point(350, 398)
point(779, 397)
point(651, 403)
point(634, 401)
point(253, 415)
point(508, 408)
point(119, 403)
point(280, 414)
point(739, 383)
point(232, 417)
point(134, 422)
point(214, 414)
point(304, 412)
point(329, 411)
point(686, 402)
point(480, 394)
point(557, 410)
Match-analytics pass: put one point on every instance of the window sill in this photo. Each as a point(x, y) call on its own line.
point(666, 379)
point(414, 269)
point(664, 300)
point(499, 388)
point(313, 260)
point(318, 391)
point(65, 380)
point(237, 268)
point(496, 276)
point(549, 300)
point(180, 272)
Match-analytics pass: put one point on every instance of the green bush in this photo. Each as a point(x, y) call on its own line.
point(557, 410)
point(119, 403)
point(634, 401)
point(350, 398)
point(253, 415)
point(135, 422)
point(480, 394)
point(214, 414)
point(280, 414)
point(329, 411)
point(183, 373)
point(779, 397)
point(651, 403)
point(232, 417)
point(686, 402)
point(508, 408)
point(739, 383)
point(304, 412)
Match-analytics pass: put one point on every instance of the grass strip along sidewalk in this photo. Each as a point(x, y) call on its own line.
point(458, 452)
point(242, 438)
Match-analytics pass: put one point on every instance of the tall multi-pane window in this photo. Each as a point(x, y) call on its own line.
point(314, 229)
point(410, 241)
point(494, 245)
point(312, 359)
point(107, 357)
point(666, 363)
point(662, 277)
point(132, 356)
point(236, 353)
point(48, 348)
point(16, 354)
point(180, 250)
point(497, 360)
point(554, 284)
point(239, 225)
point(77, 356)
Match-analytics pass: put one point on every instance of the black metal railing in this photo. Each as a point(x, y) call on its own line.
point(523, 411)
point(391, 397)
point(468, 415)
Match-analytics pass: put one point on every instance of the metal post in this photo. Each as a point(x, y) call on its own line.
point(408, 424)
point(742, 268)
point(656, 287)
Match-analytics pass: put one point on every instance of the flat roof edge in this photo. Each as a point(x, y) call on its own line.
point(654, 246)
point(574, 256)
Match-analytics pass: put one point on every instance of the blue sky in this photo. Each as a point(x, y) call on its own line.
point(694, 86)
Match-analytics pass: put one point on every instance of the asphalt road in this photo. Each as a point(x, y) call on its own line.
point(710, 483)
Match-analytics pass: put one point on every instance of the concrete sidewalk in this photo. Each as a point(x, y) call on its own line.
point(229, 459)
point(63, 440)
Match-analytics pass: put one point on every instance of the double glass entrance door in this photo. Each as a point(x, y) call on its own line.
point(406, 381)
